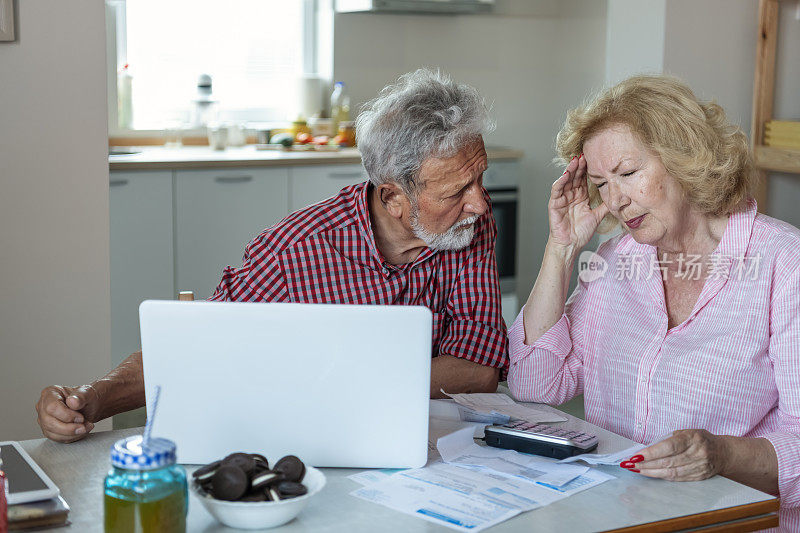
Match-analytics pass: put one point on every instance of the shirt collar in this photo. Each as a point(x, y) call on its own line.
point(737, 233)
point(365, 228)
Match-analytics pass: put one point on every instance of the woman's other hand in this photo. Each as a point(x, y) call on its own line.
point(572, 220)
point(688, 455)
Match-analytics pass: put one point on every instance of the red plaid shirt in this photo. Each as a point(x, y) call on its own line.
point(326, 253)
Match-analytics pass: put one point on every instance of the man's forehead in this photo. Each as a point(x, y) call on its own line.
point(469, 160)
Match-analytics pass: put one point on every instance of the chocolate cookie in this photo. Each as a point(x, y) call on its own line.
point(264, 479)
point(244, 461)
point(260, 460)
point(291, 489)
point(291, 467)
point(273, 495)
point(204, 474)
point(254, 496)
point(229, 483)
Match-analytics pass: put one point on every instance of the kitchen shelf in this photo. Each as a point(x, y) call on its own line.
point(768, 158)
point(778, 159)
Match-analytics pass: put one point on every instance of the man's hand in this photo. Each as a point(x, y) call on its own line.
point(688, 455)
point(66, 414)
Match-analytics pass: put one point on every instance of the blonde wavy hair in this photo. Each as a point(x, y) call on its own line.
point(708, 156)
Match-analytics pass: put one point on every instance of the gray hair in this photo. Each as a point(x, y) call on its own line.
point(423, 115)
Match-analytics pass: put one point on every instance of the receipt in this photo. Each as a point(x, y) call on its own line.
point(499, 403)
point(459, 448)
point(606, 459)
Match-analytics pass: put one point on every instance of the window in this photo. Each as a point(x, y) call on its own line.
point(257, 53)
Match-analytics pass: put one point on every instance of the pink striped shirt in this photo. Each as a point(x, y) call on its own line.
point(732, 367)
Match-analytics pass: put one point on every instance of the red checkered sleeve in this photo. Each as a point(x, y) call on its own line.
point(477, 331)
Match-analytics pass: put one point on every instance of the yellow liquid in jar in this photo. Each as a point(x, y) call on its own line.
point(166, 515)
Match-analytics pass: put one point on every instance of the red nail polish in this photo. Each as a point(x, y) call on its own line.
point(627, 464)
point(636, 458)
point(634, 470)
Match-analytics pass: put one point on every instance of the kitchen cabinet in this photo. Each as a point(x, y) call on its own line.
point(311, 184)
point(217, 212)
point(141, 249)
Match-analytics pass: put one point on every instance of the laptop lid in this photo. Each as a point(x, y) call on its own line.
point(336, 385)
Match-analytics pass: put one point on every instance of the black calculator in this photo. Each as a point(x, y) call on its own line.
point(539, 439)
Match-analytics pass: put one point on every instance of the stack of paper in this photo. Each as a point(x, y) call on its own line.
point(468, 487)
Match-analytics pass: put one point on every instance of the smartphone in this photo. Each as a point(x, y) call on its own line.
point(25, 480)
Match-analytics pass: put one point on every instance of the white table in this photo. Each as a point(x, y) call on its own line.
point(629, 501)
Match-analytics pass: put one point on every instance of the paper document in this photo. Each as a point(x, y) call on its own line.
point(499, 403)
point(454, 497)
point(480, 486)
point(608, 458)
point(462, 498)
point(459, 448)
point(368, 477)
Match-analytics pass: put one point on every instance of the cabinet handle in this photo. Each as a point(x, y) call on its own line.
point(233, 179)
point(345, 175)
point(116, 183)
point(503, 196)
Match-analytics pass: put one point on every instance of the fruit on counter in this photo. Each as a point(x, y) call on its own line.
point(340, 140)
point(303, 138)
point(321, 140)
point(285, 139)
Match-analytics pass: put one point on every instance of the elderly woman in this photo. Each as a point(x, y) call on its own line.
point(688, 323)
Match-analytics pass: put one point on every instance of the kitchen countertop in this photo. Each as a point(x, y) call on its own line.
point(158, 157)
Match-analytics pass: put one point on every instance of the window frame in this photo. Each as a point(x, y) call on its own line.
point(317, 58)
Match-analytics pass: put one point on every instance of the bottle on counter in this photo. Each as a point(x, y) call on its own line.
point(205, 107)
point(340, 105)
point(145, 491)
point(124, 98)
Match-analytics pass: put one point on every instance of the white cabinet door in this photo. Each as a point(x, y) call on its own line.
point(140, 211)
point(313, 184)
point(217, 213)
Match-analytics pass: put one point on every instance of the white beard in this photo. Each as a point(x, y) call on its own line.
point(455, 238)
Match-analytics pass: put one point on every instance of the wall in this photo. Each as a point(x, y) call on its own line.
point(634, 38)
point(54, 267)
point(712, 44)
point(532, 61)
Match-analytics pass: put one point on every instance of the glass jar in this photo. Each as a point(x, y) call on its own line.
point(347, 134)
point(145, 490)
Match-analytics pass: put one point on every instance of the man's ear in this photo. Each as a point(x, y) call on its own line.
point(393, 199)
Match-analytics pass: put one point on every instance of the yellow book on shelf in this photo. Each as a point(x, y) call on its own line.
point(781, 142)
point(783, 127)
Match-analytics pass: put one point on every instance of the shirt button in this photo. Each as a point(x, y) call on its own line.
point(638, 425)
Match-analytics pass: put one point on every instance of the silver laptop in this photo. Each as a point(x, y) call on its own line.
point(336, 385)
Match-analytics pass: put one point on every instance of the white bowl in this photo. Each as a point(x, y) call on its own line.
point(259, 515)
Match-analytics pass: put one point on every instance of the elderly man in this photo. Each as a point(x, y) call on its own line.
point(419, 232)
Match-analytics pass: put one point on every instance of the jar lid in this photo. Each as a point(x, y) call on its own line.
point(131, 454)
